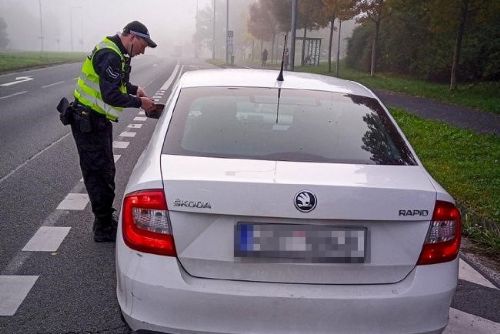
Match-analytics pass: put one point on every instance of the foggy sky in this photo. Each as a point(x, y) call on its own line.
point(168, 21)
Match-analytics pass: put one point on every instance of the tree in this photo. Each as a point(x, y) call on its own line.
point(375, 11)
point(4, 40)
point(260, 23)
point(342, 10)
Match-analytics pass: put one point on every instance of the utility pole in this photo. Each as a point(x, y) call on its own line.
point(227, 31)
point(213, 36)
point(196, 29)
point(292, 40)
point(41, 25)
point(71, 26)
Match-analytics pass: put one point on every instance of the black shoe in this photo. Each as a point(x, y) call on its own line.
point(105, 230)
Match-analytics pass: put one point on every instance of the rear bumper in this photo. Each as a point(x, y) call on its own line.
point(156, 294)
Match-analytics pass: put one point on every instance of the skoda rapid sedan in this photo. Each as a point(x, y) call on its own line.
point(262, 206)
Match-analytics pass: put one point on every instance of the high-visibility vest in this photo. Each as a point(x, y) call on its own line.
point(87, 90)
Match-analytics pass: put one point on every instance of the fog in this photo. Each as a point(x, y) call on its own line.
point(78, 25)
point(72, 25)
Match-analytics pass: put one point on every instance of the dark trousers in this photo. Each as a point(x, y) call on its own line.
point(94, 140)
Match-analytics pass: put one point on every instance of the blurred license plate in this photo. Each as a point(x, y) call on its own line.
point(310, 243)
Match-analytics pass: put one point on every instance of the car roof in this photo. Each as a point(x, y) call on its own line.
point(267, 79)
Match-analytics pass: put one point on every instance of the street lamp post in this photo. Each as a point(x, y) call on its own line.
point(213, 35)
point(227, 31)
point(41, 25)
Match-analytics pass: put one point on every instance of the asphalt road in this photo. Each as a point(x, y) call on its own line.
point(73, 287)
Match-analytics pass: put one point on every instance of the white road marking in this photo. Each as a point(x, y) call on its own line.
point(128, 134)
point(13, 290)
point(467, 273)
point(157, 96)
point(18, 80)
point(140, 119)
point(142, 112)
point(167, 83)
point(135, 126)
point(47, 239)
point(15, 94)
point(120, 144)
point(465, 323)
point(116, 157)
point(53, 84)
point(33, 157)
point(74, 201)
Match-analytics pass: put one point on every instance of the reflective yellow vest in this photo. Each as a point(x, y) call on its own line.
point(87, 90)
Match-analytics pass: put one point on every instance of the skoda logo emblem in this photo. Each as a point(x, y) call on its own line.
point(305, 201)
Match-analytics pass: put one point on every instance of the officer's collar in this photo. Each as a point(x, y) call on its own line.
point(117, 40)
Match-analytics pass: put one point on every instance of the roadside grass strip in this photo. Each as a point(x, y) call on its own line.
point(467, 165)
point(10, 61)
point(483, 96)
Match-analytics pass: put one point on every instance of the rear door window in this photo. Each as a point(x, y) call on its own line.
point(309, 126)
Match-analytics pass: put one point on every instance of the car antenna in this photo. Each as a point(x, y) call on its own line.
point(280, 76)
point(280, 79)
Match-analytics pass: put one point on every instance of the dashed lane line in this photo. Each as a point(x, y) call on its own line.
point(13, 290)
point(74, 201)
point(140, 119)
point(120, 144)
point(47, 239)
point(128, 134)
point(115, 157)
point(12, 95)
point(142, 112)
point(135, 126)
point(466, 323)
point(53, 84)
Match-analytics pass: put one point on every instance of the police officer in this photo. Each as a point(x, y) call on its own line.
point(102, 91)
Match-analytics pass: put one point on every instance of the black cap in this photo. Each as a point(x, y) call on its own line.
point(139, 29)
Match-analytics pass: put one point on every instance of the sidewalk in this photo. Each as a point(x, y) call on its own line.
point(467, 118)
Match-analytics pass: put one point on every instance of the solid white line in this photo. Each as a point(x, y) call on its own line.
point(13, 290)
point(128, 134)
point(33, 157)
point(74, 201)
point(140, 119)
point(120, 144)
point(135, 126)
point(47, 239)
point(116, 157)
point(465, 323)
point(53, 84)
point(15, 94)
point(167, 83)
point(467, 273)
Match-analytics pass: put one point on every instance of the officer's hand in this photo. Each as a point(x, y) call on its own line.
point(141, 92)
point(147, 104)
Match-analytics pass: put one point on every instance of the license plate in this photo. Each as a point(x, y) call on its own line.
point(309, 243)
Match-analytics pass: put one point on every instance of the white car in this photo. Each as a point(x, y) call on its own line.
point(262, 206)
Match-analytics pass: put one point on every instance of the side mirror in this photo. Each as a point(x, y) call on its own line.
point(157, 112)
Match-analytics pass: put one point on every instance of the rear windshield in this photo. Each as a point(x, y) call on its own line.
point(309, 126)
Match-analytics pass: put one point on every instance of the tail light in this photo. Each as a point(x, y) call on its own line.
point(146, 224)
point(443, 238)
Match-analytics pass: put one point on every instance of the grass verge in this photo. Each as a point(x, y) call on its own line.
point(468, 166)
point(482, 96)
point(10, 61)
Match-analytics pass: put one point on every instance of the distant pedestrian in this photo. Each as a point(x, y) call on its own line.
point(285, 59)
point(264, 57)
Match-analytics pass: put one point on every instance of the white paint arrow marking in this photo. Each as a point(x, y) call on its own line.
point(18, 80)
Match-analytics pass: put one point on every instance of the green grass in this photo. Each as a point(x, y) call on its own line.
point(10, 61)
point(467, 165)
point(483, 96)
